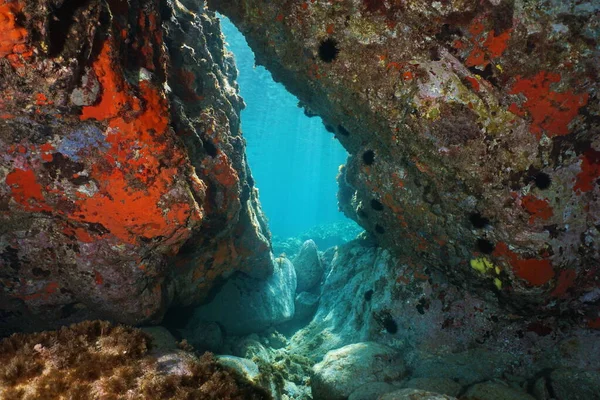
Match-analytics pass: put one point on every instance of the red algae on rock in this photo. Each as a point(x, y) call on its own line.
point(550, 112)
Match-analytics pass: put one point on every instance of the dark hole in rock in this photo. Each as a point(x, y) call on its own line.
point(389, 324)
point(478, 220)
point(343, 131)
point(329, 128)
point(542, 180)
point(485, 246)
point(328, 50)
point(210, 148)
point(376, 205)
point(368, 157)
point(447, 33)
point(68, 310)
point(10, 256)
point(434, 54)
point(369, 295)
point(60, 24)
point(40, 272)
point(374, 5)
point(487, 74)
point(379, 229)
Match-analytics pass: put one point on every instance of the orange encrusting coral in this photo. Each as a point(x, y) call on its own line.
point(139, 179)
point(486, 48)
point(550, 112)
point(537, 208)
point(536, 272)
point(590, 171)
point(26, 190)
point(13, 38)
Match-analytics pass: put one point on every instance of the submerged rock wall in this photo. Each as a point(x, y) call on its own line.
point(473, 132)
point(123, 182)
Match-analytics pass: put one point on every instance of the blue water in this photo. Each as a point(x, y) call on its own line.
point(293, 159)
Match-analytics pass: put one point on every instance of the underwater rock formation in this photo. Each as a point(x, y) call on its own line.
point(344, 370)
point(473, 129)
point(244, 304)
point(123, 181)
point(307, 264)
point(94, 359)
point(447, 336)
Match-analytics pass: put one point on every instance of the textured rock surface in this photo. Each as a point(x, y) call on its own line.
point(309, 269)
point(344, 370)
point(371, 391)
point(443, 331)
point(245, 305)
point(495, 391)
point(305, 305)
point(437, 385)
point(572, 384)
point(123, 183)
point(472, 127)
point(415, 394)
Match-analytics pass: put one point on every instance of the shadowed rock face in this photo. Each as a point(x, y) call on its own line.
point(472, 127)
point(123, 182)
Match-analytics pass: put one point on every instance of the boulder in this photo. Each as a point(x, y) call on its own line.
point(437, 385)
point(495, 391)
point(415, 394)
point(108, 168)
point(246, 368)
point(309, 269)
point(574, 384)
point(244, 304)
point(344, 370)
point(305, 304)
point(162, 339)
point(371, 391)
point(471, 142)
point(204, 336)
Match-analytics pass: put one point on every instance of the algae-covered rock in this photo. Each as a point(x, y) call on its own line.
point(495, 391)
point(437, 385)
point(472, 129)
point(415, 394)
point(575, 384)
point(120, 150)
point(95, 359)
point(371, 391)
point(308, 266)
point(344, 370)
point(245, 304)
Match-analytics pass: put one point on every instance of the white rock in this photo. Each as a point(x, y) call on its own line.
point(344, 370)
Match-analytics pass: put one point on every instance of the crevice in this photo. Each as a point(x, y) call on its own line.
point(61, 21)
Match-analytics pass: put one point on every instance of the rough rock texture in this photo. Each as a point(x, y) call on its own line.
point(305, 305)
point(371, 391)
point(244, 305)
point(309, 269)
point(441, 330)
point(573, 384)
point(472, 127)
point(437, 385)
point(414, 394)
point(123, 183)
point(344, 370)
point(495, 391)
